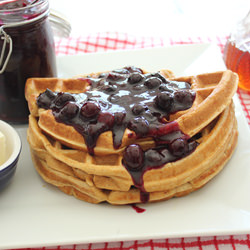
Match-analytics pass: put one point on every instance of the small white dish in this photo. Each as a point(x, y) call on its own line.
point(13, 149)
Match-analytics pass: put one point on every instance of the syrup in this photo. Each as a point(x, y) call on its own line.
point(238, 60)
point(237, 52)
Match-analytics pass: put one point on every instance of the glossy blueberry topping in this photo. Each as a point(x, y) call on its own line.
point(68, 112)
point(109, 87)
point(45, 99)
point(133, 157)
point(135, 78)
point(183, 98)
point(61, 99)
point(90, 109)
point(164, 100)
point(139, 125)
point(178, 147)
point(152, 82)
point(138, 109)
point(107, 119)
point(159, 76)
point(137, 161)
point(127, 98)
point(153, 157)
point(113, 76)
point(132, 69)
point(119, 117)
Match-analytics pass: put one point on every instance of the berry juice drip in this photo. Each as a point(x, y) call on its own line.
point(127, 98)
point(238, 60)
point(137, 161)
point(138, 210)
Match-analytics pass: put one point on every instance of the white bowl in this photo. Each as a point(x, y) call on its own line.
point(13, 149)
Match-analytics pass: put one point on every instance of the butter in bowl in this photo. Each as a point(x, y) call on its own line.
point(10, 148)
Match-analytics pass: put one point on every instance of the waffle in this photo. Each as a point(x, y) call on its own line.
point(61, 155)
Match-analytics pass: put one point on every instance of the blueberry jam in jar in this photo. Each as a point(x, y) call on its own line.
point(123, 99)
point(27, 44)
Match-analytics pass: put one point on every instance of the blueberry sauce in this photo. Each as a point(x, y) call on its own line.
point(138, 210)
point(32, 55)
point(137, 161)
point(128, 98)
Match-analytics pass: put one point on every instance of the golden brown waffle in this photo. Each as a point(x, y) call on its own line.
point(213, 93)
point(60, 155)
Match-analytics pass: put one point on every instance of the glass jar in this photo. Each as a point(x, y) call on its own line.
point(27, 50)
point(237, 52)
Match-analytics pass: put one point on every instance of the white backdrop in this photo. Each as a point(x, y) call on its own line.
point(162, 18)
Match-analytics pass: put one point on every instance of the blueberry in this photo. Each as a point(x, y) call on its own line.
point(90, 109)
point(167, 156)
point(45, 99)
point(137, 87)
point(93, 130)
point(159, 76)
point(135, 78)
point(137, 109)
point(180, 85)
point(149, 116)
point(165, 87)
point(102, 75)
point(122, 84)
point(98, 84)
point(62, 99)
point(184, 97)
point(139, 125)
point(153, 157)
point(152, 82)
point(133, 69)
point(68, 111)
point(121, 71)
point(109, 87)
point(113, 98)
point(178, 147)
point(192, 146)
point(133, 157)
point(164, 100)
point(112, 76)
point(107, 119)
point(119, 117)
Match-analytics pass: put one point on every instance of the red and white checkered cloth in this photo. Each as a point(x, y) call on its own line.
point(113, 41)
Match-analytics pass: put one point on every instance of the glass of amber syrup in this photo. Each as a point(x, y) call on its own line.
point(237, 52)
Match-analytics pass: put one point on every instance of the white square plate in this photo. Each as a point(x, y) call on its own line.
point(33, 213)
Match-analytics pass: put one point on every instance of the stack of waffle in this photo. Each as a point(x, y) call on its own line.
point(62, 157)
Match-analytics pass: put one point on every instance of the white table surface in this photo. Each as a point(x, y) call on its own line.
point(161, 18)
